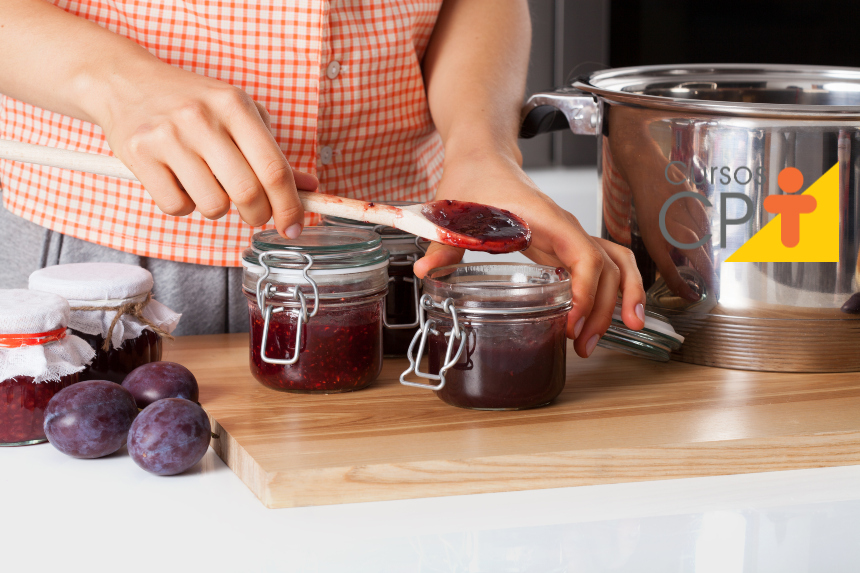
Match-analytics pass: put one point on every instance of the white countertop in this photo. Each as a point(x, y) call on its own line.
point(61, 514)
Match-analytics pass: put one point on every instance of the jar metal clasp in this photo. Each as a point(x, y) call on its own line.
point(457, 333)
point(416, 290)
point(266, 291)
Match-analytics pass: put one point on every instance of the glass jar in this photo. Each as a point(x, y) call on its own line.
point(315, 305)
point(114, 364)
point(494, 333)
point(38, 358)
point(113, 311)
point(400, 320)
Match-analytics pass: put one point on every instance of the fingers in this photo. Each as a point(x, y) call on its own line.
point(632, 290)
point(600, 316)
point(164, 188)
point(273, 172)
point(585, 260)
point(437, 255)
point(237, 178)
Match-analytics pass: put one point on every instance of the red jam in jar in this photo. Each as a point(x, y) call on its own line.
point(22, 408)
point(325, 288)
point(495, 335)
point(509, 367)
point(341, 349)
point(401, 312)
point(97, 292)
point(401, 303)
point(38, 358)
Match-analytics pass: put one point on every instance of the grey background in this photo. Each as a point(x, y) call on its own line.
point(569, 38)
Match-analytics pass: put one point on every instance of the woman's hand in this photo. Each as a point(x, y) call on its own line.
point(599, 268)
point(196, 143)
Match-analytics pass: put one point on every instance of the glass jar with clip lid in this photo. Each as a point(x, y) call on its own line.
point(494, 334)
point(400, 320)
point(315, 305)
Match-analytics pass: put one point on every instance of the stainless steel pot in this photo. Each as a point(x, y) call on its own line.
point(687, 155)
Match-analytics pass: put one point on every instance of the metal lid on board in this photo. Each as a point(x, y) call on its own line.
point(655, 341)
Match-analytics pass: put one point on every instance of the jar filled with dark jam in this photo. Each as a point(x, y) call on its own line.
point(400, 320)
point(494, 334)
point(315, 305)
point(38, 358)
point(111, 302)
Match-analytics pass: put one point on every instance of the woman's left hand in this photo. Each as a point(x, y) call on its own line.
point(599, 268)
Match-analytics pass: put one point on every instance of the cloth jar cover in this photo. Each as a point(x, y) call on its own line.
point(32, 312)
point(107, 285)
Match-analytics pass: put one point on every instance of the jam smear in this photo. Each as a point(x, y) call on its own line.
point(478, 227)
point(22, 407)
point(503, 367)
point(341, 349)
point(399, 309)
point(116, 363)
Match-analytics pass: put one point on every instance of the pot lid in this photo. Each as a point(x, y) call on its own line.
point(756, 90)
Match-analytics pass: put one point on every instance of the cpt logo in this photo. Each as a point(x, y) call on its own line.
point(805, 228)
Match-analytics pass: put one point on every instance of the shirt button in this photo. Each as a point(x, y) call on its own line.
point(332, 70)
point(326, 154)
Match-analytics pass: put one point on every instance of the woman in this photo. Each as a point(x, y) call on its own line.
point(223, 110)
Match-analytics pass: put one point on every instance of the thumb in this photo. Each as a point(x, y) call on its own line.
point(437, 255)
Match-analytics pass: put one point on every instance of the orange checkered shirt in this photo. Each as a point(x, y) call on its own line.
point(366, 132)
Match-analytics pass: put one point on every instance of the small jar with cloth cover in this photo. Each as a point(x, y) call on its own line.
point(113, 310)
point(38, 358)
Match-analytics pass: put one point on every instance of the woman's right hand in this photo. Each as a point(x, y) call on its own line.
point(196, 143)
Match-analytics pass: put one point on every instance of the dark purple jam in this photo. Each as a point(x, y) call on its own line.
point(399, 309)
point(22, 408)
point(341, 349)
point(115, 363)
point(505, 366)
point(478, 227)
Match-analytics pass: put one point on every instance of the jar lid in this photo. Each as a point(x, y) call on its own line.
point(31, 312)
point(655, 341)
point(330, 247)
point(93, 281)
point(396, 241)
point(499, 288)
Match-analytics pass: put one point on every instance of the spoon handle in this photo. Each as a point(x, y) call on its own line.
point(314, 202)
point(65, 159)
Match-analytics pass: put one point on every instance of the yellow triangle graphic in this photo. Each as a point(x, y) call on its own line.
point(819, 231)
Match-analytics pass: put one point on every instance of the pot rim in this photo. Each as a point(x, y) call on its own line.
point(620, 85)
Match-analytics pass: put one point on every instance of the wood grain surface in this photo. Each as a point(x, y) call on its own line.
point(619, 419)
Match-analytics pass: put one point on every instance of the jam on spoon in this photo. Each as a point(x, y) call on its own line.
point(478, 227)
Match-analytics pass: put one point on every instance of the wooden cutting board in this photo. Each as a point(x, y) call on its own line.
point(620, 419)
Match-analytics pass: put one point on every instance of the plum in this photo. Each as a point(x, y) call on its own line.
point(169, 436)
point(90, 419)
point(158, 380)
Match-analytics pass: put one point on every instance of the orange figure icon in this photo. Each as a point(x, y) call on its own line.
point(790, 206)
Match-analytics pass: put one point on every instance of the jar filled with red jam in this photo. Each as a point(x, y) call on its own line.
point(400, 320)
point(38, 358)
point(315, 305)
point(494, 335)
point(113, 310)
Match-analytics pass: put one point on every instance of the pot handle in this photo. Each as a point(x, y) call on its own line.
point(565, 108)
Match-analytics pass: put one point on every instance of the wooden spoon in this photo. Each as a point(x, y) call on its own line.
point(458, 223)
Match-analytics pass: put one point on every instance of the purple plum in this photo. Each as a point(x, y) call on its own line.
point(158, 380)
point(169, 436)
point(90, 419)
